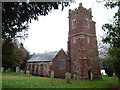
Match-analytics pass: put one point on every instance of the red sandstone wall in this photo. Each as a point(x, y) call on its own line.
point(82, 52)
point(60, 72)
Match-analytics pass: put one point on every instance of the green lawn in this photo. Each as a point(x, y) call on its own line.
point(13, 80)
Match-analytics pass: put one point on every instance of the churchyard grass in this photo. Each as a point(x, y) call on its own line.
point(14, 80)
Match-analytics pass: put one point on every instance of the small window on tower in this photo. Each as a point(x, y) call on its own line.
point(74, 40)
point(74, 23)
point(86, 23)
point(88, 40)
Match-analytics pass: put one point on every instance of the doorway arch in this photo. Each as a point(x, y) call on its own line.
point(89, 75)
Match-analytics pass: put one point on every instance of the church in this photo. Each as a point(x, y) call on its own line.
point(81, 59)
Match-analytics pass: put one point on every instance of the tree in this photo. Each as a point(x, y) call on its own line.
point(13, 55)
point(7, 53)
point(113, 37)
point(17, 15)
point(23, 56)
point(108, 65)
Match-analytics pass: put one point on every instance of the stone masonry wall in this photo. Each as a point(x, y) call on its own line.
point(58, 71)
point(82, 45)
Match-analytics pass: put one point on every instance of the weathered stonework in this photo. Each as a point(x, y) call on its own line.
point(60, 72)
point(82, 45)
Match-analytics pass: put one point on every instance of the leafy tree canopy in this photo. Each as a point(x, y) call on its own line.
point(13, 55)
point(113, 29)
point(17, 15)
point(113, 38)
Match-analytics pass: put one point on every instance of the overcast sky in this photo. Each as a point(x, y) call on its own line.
point(50, 33)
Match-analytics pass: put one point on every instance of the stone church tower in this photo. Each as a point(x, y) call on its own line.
point(82, 45)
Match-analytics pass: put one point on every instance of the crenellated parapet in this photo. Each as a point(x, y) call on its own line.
point(80, 9)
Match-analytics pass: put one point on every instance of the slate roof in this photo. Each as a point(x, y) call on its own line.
point(48, 56)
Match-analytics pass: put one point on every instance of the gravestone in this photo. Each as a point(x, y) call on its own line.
point(17, 69)
point(52, 74)
point(9, 69)
point(77, 77)
point(27, 72)
point(2, 69)
point(68, 77)
point(74, 76)
point(21, 71)
point(114, 74)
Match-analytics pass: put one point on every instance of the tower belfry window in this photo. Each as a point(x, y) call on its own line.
point(74, 23)
point(86, 23)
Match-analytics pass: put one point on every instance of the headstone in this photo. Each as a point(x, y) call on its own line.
point(68, 77)
point(2, 69)
point(77, 77)
point(21, 71)
point(27, 72)
point(74, 76)
point(114, 74)
point(52, 74)
point(17, 69)
point(9, 69)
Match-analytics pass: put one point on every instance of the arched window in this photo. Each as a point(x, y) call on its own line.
point(86, 23)
point(61, 63)
point(74, 23)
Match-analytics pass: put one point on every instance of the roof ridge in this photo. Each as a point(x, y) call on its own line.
point(47, 52)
